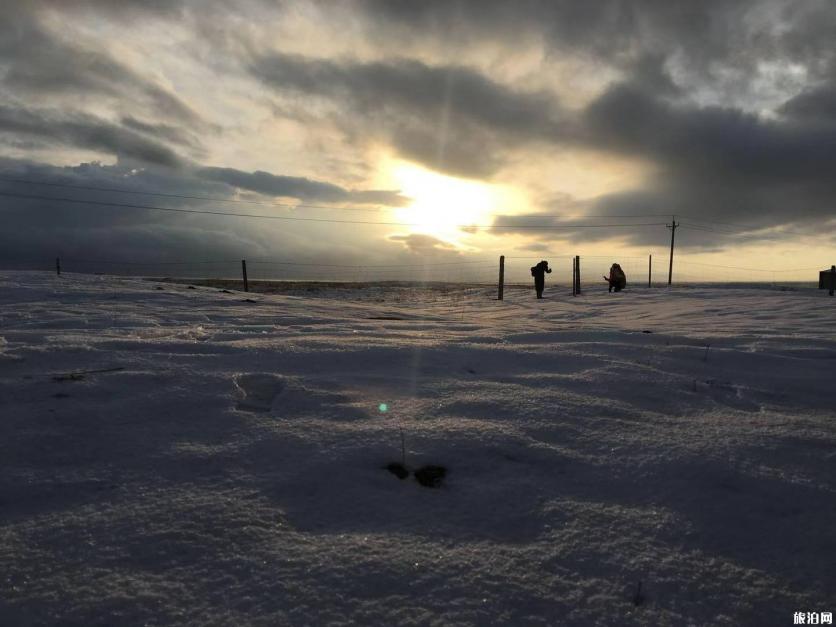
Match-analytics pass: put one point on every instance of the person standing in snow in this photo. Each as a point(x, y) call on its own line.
point(617, 278)
point(539, 273)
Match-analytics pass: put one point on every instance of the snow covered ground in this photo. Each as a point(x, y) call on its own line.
point(225, 466)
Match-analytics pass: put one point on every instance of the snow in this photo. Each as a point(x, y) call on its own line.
point(225, 466)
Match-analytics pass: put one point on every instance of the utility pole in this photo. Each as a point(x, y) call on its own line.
point(672, 226)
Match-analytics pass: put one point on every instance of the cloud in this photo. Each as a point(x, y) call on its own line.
point(717, 162)
point(708, 141)
point(448, 117)
point(164, 132)
point(535, 247)
point(422, 244)
point(815, 105)
point(85, 131)
point(300, 187)
point(38, 61)
point(411, 85)
point(702, 37)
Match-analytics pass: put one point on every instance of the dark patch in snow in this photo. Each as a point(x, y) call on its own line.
point(69, 377)
point(430, 476)
point(397, 469)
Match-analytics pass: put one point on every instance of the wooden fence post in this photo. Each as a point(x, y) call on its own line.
point(574, 276)
point(578, 272)
point(832, 279)
point(649, 269)
point(244, 271)
point(58, 266)
point(501, 276)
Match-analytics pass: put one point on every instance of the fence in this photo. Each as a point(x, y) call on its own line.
point(433, 280)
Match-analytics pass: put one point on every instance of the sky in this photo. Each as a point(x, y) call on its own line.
point(397, 133)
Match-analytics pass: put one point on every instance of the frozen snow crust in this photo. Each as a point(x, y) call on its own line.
point(227, 465)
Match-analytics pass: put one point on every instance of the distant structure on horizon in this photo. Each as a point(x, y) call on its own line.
point(827, 279)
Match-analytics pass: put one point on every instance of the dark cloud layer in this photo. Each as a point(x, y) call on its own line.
point(449, 117)
point(425, 90)
point(705, 36)
point(718, 163)
point(816, 105)
point(85, 131)
point(300, 187)
point(713, 164)
point(39, 229)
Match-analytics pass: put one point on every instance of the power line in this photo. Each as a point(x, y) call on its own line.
point(150, 263)
point(583, 216)
point(390, 265)
point(327, 220)
point(274, 262)
point(760, 236)
point(705, 228)
point(302, 205)
point(748, 227)
point(186, 197)
point(696, 224)
point(711, 229)
point(714, 265)
point(547, 254)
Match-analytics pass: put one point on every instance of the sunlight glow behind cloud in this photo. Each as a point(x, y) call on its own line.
point(442, 203)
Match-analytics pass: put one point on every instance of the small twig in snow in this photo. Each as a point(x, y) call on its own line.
point(77, 376)
point(638, 598)
point(403, 448)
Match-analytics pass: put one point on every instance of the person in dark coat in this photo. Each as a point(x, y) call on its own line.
point(617, 278)
point(539, 273)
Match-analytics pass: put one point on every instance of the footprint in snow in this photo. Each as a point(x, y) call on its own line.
point(259, 391)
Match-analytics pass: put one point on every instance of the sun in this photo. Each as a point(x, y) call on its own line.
point(441, 204)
